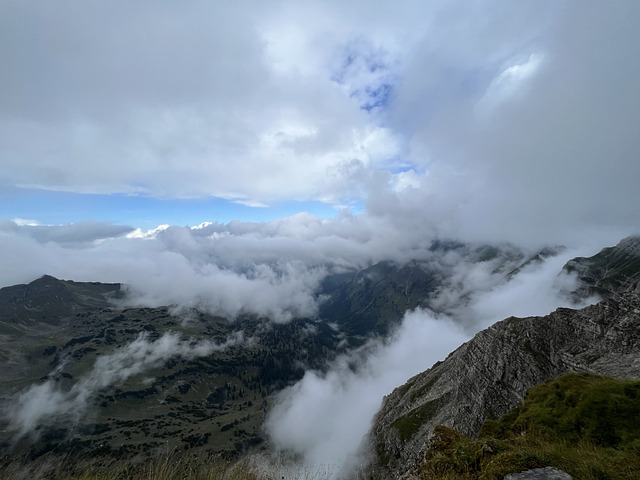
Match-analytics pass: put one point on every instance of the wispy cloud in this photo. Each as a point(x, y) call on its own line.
point(48, 404)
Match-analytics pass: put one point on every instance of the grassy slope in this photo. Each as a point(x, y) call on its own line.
point(213, 403)
point(586, 425)
point(166, 467)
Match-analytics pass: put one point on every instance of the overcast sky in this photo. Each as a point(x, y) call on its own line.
point(480, 119)
point(281, 141)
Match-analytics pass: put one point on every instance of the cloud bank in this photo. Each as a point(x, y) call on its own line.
point(272, 269)
point(324, 417)
point(484, 120)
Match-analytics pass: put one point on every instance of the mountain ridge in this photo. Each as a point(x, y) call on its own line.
point(60, 329)
point(48, 299)
point(610, 271)
point(490, 374)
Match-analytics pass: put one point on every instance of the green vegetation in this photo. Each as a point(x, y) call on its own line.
point(166, 467)
point(409, 424)
point(215, 404)
point(586, 425)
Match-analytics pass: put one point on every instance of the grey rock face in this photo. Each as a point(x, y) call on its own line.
point(548, 473)
point(610, 272)
point(489, 375)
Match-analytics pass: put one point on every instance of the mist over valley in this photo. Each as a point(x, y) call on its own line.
point(260, 239)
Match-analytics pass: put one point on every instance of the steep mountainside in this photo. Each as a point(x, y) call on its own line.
point(490, 374)
point(610, 271)
point(375, 299)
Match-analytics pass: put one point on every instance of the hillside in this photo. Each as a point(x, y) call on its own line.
point(88, 373)
point(587, 426)
point(121, 381)
point(91, 375)
point(489, 375)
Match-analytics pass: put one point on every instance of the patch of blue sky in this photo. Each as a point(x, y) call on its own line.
point(55, 208)
point(376, 96)
point(367, 73)
point(401, 166)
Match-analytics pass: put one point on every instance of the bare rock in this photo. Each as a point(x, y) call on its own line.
point(489, 375)
point(547, 473)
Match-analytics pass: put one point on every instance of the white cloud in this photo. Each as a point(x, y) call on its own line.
point(511, 114)
point(324, 417)
point(193, 101)
point(552, 161)
point(536, 290)
point(508, 84)
point(273, 269)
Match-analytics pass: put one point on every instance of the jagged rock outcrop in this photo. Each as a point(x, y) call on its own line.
point(548, 473)
point(610, 272)
point(490, 374)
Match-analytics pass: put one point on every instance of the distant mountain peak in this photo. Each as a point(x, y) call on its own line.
point(49, 299)
point(46, 280)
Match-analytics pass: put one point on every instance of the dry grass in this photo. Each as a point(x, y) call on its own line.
point(166, 467)
point(173, 466)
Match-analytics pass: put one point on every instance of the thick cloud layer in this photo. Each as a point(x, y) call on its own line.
point(174, 266)
point(189, 100)
point(47, 403)
point(487, 120)
point(272, 269)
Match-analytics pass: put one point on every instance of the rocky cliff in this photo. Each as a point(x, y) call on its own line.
point(490, 374)
point(610, 272)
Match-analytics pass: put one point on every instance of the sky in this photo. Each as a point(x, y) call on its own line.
point(487, 119)
point(229, 155)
